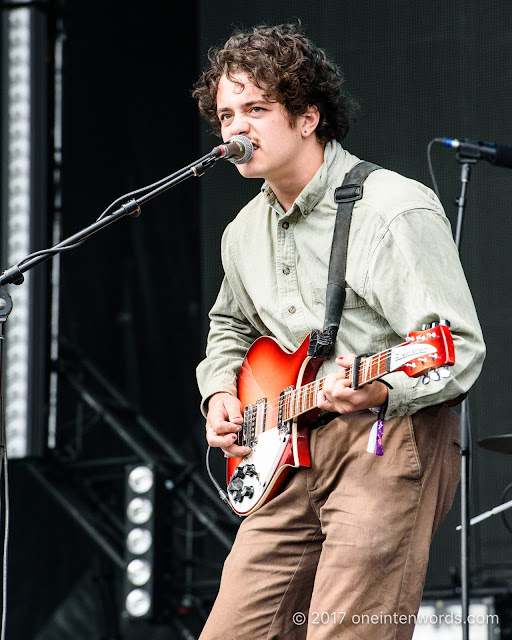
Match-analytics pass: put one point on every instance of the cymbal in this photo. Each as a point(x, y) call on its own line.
point(502, 443)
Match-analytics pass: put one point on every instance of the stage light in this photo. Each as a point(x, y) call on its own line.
point(139, 541)
point(147, 581)
point(24, 180)
point(139, 510)
point(138, 603)
point(141, 479)
point(138, 572)
point(16, 245)
point(140, 492)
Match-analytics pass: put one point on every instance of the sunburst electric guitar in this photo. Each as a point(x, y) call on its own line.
point(278, 391)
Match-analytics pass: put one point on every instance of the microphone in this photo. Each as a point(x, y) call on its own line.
point(498, 154)
point(237, 149)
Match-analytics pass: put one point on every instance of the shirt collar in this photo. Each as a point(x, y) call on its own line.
point(336, 163)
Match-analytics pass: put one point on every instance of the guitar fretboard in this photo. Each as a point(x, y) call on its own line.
point(303, 399)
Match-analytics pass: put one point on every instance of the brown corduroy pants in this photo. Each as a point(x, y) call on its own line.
point(342, 551)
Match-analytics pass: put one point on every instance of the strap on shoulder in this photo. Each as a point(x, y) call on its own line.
point(322, 342)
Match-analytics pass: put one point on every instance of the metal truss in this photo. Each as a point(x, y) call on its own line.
point(85, 474)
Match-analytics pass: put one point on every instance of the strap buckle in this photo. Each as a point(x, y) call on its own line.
point(348, 193)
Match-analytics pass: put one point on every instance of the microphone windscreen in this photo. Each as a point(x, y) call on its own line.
point(248, 149)
point(503, 157)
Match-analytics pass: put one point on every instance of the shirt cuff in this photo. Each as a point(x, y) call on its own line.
point(400, 395)
point(226, 384)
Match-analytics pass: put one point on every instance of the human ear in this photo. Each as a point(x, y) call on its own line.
point(309, 120)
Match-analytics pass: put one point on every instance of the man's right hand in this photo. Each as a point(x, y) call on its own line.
point(223, 423)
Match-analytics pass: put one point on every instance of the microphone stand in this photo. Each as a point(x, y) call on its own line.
point(14, 275)
point(5, 310)
point(465, 439)
point(487, 514)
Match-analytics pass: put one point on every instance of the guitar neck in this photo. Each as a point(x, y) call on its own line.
point(303, 399)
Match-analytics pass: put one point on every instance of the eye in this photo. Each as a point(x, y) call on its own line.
point(258, 109)
point(224, 116)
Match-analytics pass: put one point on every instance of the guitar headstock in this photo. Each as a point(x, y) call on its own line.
point(425, 351)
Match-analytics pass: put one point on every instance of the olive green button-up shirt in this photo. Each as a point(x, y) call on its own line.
point(403, 271)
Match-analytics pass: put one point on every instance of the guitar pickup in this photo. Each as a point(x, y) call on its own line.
point(282, 424)
point(253, 424)
point(244, 435)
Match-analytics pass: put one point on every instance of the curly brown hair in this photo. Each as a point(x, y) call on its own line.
point(291, 70)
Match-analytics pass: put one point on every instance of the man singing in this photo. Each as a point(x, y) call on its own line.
point(342, 550)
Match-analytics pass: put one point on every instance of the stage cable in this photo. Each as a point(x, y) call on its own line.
point(5, 477)
point(431, 169)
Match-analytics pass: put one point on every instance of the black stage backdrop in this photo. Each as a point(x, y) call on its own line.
point(134, 299)
point(129, 301)
point(420, 70)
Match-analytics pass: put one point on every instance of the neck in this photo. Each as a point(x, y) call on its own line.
point(292, 183)
point(303, 399)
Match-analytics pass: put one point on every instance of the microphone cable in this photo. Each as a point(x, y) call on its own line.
point(430, 167)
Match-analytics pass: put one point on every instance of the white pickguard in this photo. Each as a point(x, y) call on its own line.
point(265, 457)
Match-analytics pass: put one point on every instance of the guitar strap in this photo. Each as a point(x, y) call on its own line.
point(321, 343)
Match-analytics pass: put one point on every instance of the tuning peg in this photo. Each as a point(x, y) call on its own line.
point(424, 327)
point(444, 372)
point(434, 375)
point(445, 322)
point(425, 379)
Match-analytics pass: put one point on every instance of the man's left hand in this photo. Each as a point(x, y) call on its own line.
point(338, 395)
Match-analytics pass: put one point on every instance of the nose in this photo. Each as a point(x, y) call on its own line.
point(240, 124)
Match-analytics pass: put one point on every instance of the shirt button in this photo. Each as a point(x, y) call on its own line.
point(291, 309)
point(286, 225)
point(286, 271)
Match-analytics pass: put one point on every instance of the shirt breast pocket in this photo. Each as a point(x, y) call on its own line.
point(352, 300)
point(362, 329)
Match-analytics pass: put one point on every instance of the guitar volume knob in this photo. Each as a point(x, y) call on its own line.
point(239, 473)
point(247, 492)
point(235, 486)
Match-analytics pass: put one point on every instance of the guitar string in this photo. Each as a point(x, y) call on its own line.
point(295, 399)
point(293, 402)
point(376, 359)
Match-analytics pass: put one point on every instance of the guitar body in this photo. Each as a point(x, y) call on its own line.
point(266, 371)
point(278, 390)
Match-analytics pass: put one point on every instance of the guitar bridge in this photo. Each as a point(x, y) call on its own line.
point(253, 424)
